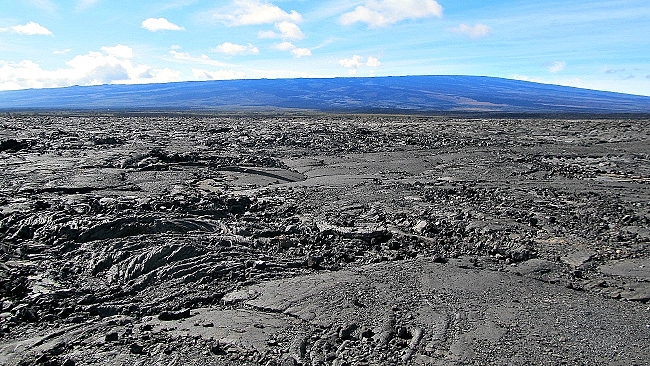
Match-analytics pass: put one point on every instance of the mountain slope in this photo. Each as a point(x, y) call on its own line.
point(389, 94)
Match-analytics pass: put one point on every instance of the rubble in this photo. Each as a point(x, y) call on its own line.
point(322, 239)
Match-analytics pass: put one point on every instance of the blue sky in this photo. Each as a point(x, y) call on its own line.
point(594, 44)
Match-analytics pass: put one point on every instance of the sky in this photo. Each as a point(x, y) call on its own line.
point(594, 44)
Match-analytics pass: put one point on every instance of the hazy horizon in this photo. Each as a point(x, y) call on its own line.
point(586, 44)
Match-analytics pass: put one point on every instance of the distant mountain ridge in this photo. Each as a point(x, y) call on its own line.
point(414, 94)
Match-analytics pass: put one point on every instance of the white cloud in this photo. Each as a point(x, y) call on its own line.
point(287, 30)
point(301, 52)
point(112, 65)
point(557, 66)
point(200, 74)
point(295, 51)
point(62, 52)
point(185, 57)
point(352, 63)
point(97, 68)
point(104, 67)
point(165, 75)
point(30, 29)
point(160, 24)
point(251, 12)
point(476, 31)
point(285, 46)
point(356, 61)
point(237, 49)
point(380, 13)
point(119, 51)
point(373, 62)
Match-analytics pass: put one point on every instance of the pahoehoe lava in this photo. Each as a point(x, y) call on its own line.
point(323, 239)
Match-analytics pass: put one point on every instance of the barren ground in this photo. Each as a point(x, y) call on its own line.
point(323, 240)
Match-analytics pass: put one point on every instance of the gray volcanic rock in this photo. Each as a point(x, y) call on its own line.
point(633, 268)
point(296, 239)
point(460, 315)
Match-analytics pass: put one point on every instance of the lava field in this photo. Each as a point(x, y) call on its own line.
point(323, 239)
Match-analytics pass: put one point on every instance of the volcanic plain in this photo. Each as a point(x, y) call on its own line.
point(323, 239)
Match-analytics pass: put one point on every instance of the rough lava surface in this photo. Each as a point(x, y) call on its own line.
point(309, 239)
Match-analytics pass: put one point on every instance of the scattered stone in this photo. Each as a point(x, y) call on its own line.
point(394, 245)
point(576, 273)
point(578, 258)
point(111, 337)
point(43, 359)
point(346, 332)
point(292, 229)
point(421, 226)
point(386, 331)
point(639, 291)
point(630, 268)
point(259, 265)
point(519, 254)
point(289, 361)
point(315, 261)
point(367, 333)
point(403, 332)
point(538, 269)
point(25, 313)
point(357, 302)
point(298, 347)
point(136, 349)
point(316, 355)
point(437, 258)
point(174, 315)
point(13, 145)
point(218, 349)
point(146, 327)
point(416, 338)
